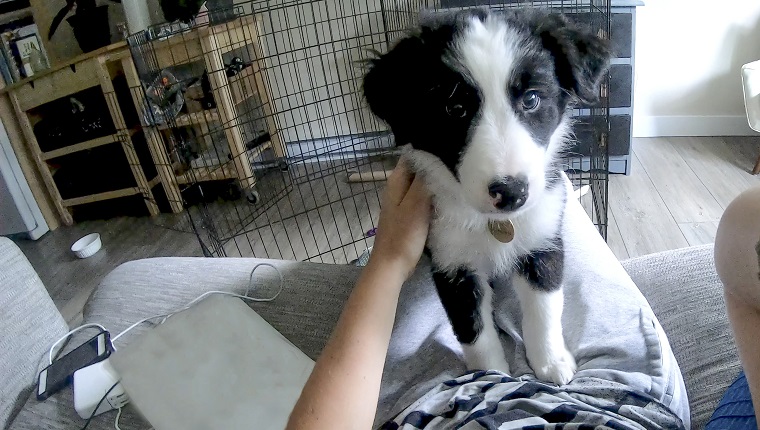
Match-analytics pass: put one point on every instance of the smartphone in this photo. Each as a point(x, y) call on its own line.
point(60, 374)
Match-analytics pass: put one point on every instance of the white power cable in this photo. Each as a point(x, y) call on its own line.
point(165, 316)
point(116, 421)
point(208, 293)
point(67, 335)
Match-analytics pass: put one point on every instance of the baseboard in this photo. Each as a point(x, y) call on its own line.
point(656, 126)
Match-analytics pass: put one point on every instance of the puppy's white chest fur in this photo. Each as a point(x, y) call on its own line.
point(459, 237)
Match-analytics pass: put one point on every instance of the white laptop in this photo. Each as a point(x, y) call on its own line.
point(218, 365)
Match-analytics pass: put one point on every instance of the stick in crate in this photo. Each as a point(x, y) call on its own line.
point(371, 176)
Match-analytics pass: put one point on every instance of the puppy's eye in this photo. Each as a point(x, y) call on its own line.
point(530, 100)
point(456, 110)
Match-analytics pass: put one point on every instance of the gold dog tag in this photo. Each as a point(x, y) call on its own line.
point(503, 231)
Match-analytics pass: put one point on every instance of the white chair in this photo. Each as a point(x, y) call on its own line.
point(751, 84)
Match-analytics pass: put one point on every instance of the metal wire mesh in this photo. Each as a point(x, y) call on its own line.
point(256, 118)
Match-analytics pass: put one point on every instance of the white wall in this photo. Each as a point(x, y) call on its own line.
point(689, 54)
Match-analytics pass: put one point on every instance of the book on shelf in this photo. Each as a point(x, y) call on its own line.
point(21, 50)
point(8, 57)
point(5, 71)
point(28, 54)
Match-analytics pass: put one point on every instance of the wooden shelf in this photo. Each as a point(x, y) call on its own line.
point(187, 46)
point(99, 68)
point(114, 50)
point(218, 172)
point(255, 152)
point(179, 38)
point(15, 15)
point(186, 119)
point(124, 192)
point(229, 45)
point(108, 195)
point(93, 143)
point(155, 181)
point(208, 44)
point(202, 174)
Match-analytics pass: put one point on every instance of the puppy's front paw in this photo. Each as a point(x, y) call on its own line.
point(557, 366)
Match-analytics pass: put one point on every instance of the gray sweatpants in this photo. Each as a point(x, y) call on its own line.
point(608, 327)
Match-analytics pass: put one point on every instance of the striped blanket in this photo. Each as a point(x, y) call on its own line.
point(492, 400)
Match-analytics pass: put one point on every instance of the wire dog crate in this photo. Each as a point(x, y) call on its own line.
point(263, 135)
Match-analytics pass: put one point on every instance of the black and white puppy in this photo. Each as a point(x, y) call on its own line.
point(483, 99)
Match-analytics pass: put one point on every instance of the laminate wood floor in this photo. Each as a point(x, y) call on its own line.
point(678, 189)
point(70, 280)
point(674, 198)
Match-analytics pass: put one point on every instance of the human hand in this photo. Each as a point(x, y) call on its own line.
point(404, 221)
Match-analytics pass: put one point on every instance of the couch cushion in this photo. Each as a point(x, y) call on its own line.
point(30, 323)
point(687, 297)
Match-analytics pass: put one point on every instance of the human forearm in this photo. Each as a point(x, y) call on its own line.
point(343, 389)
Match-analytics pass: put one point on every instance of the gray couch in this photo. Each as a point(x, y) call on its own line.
point(681, 286)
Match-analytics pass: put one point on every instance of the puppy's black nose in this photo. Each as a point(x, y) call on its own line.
point(509, 193)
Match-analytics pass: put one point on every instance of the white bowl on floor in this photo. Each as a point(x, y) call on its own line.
point(87, 246)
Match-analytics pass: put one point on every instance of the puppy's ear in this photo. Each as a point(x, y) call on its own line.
point(391, 85)
point(580, 57)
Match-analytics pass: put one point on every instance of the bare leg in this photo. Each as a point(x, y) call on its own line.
point(737, 259)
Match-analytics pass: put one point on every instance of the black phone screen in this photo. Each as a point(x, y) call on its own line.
point(60, 373)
